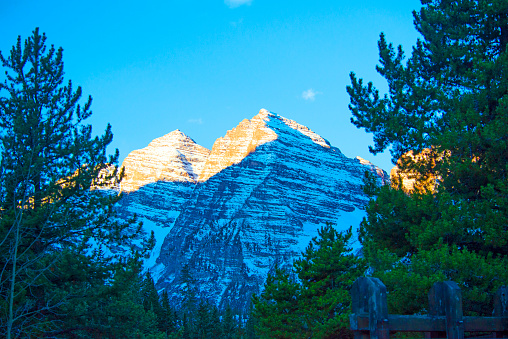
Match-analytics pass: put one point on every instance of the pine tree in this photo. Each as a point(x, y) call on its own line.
point(204, 320)
point(189, 293)
point(186, 330)
point(120, 311)
point(449, 102)
point(327, 270)
point(215, 324)
point(250, 325)
point(229, 323)
point(277, 309)
point(58, 231)
point(317, 304)
point(167, 321)
point(150, 296)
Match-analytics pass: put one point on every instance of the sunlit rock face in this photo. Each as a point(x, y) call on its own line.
point(237, 144)
point(263, 192)
point(158, 180)
point(172, 158)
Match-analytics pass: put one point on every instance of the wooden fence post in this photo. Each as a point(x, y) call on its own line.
point(501, 308)
point(436, 309)
point(445, 299)
point(369, 297)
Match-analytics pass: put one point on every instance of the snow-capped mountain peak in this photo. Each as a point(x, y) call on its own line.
point(172, 157)
point(262, 193)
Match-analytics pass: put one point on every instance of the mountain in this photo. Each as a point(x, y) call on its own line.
point(234, 213)
point(172, 158)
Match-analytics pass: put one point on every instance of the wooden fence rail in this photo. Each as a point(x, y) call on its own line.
point(370, 318)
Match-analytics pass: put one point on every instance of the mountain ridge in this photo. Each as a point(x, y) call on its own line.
point(262, 193)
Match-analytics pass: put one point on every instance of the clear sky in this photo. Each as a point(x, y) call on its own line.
point(203, 66)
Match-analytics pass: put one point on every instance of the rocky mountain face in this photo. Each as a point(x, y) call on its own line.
point(172, 158)
point(231, 215)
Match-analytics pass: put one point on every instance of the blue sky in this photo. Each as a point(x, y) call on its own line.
point(203, 66)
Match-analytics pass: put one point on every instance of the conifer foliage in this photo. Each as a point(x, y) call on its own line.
point(59, 274)
point(312, 300)
point(69, 268)
point(449, 101)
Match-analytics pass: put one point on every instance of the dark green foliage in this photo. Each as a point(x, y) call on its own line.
point(207, 321)
point(189, 291)
point(203, 320)
point(229, 324)
point(150, 296)
point(250, 325)
point(186, 330)
point(450, 100)
point(117, 312)
point(455, 78)
point(194, 318)
point(67, 263)
point(316, 303)
point(215, 322)
point(326, 271)
point(277, 309)
point(167, 320)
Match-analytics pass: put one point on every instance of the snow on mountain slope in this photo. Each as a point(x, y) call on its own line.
point(254, 202)
point(237, 144)
point(174, 157)
point(158, 180)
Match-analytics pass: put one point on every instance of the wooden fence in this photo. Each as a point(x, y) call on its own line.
point(370, 318)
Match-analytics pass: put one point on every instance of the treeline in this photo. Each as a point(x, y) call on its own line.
point(195, 318)
point(308, 300)
point(311, 299)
